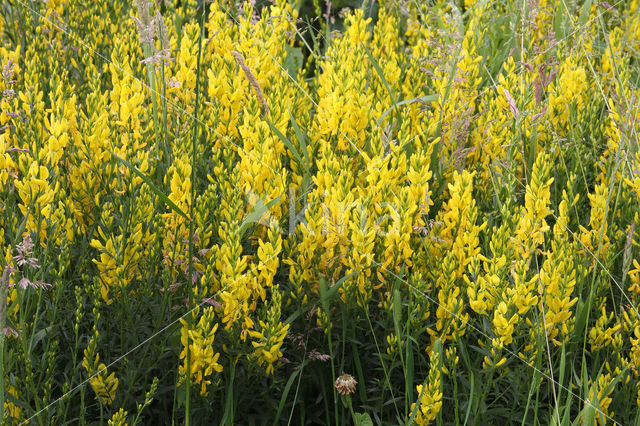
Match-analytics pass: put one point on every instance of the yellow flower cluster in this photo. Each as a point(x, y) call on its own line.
point(118, 419)
point(268, 338)
point(430, 393)
point(490, 182)
point(198, 344)
point(11, 410)
point(103, 384)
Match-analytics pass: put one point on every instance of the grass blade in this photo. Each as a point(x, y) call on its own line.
point(153, 187)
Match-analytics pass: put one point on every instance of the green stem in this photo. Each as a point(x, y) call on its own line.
point(4, 283)
point(151, 77)
point(350, 405)
point(333, 369)
point(194, 163)
point(455, 392)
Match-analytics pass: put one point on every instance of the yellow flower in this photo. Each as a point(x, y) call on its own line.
point(104, 386)
point(119, 418)
point(429, 394)
point(203, 361)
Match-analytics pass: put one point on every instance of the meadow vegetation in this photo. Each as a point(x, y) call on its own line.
point(305, 212)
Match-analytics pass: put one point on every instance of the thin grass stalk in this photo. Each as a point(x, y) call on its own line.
point(590, 298)
point(546, 337)
point(4, 286)
point(379, 352)
point(323, 285)
point(456, 403)
point(194, 163)
point(151, 77)
point(165, 145)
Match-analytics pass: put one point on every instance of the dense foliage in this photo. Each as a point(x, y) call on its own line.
point(303, 213)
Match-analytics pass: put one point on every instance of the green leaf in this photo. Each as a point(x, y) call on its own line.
point(259, 209)
point(362, 419)
point(566, 419)
point(588, 415)
point(563, 358)
point(39, 335)
point(323, 288)
point(376, 66)
point(331, 291)
point(288, 144)
point(286, 390)
point(397, 311)
point(301, 139)
point(293, 61)
point(427, 98)
point(559, 22)
point(361, 379)
point(472, 391)
point(584, 13)
point(153, 187)
point(228, 405)
point(582, 311)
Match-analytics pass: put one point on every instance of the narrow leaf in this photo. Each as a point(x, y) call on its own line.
point(288, 144)
point(153, 187)
point(419, 99)
point(256, 215)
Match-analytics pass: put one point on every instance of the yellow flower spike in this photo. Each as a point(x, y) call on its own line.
point(268, 339)
point(11, 410)
point(203, 360)
point(430, 397)
point(119, 418)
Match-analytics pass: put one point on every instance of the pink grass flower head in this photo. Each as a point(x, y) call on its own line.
point(23, 258)
point(24, 253)
point(10, 332)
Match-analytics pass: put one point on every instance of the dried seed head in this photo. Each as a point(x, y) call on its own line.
point(346, 384)
point(252, 80)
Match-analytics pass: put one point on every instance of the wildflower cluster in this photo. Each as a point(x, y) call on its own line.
point(203, 203)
